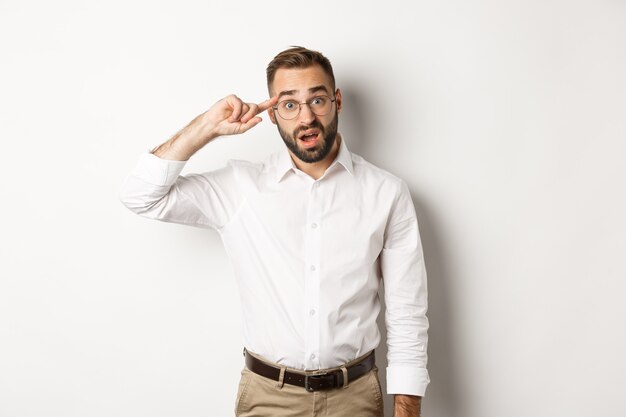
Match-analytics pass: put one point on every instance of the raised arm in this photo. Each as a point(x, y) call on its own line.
point(155, 189)
point(229, 116)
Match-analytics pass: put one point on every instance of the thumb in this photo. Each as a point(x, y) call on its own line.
point(249, 124)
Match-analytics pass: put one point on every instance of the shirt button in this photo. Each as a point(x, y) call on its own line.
point(314, 225)
point(312, 312)
point(312, 356)
point(312, 267)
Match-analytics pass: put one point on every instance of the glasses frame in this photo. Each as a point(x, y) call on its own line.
point(275, 108)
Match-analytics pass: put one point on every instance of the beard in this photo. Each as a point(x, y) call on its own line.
point(319, 152)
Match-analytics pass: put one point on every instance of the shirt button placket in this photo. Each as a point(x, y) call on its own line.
point(312, 275)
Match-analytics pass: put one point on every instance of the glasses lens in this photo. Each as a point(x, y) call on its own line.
point(289, 109)
point(320, 105)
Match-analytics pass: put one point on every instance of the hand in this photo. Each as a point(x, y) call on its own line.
point(407, 405)
point(230, 116)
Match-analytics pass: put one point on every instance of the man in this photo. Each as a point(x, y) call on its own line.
point(312, 231)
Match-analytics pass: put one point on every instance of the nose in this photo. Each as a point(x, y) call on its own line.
point(306, 116)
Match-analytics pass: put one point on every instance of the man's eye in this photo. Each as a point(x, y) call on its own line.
point(318, 101)
point(289, 105)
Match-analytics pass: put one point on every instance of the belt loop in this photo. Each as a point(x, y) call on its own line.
point(344, 371)
point(281, 378)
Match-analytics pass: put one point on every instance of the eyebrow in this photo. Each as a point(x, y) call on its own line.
point(311, 90)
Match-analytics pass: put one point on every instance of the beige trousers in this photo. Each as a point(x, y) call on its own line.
point(262, 397)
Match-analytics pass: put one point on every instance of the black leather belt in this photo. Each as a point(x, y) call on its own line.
point(312, 381)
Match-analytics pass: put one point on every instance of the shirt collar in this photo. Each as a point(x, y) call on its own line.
point(285, 163)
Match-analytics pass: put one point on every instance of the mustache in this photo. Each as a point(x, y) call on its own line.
point(315, 124)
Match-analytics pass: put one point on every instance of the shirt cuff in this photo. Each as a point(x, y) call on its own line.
point(157, 171)
point(407, 380)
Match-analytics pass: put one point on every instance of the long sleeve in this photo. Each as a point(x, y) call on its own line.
point(155, 189)
point(406, 299)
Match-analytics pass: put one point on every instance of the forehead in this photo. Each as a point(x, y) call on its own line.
point(300, 79)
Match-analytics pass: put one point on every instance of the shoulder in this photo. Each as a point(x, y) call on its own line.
point(252, 169)
point(373, 174)
point(244, 165)
point(251, 166)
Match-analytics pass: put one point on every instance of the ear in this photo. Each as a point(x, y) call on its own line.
point(271, 114)
point(338, 101)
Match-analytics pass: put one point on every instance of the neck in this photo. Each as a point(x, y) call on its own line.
point(316, 169)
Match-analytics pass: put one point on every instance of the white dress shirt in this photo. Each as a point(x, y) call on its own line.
point(308, 255)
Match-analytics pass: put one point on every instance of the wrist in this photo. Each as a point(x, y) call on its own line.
point(407, 405)
point(195, 137)
point(187, 142)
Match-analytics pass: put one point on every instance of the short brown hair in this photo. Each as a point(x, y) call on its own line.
point(298, 57)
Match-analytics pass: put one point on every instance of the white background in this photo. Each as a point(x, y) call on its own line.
point(506, 119)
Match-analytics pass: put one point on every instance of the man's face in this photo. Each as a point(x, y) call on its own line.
point(308, 136)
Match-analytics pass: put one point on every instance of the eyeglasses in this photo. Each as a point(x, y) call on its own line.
point(290, 109)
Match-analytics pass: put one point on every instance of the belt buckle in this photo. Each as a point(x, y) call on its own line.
point(307, 378)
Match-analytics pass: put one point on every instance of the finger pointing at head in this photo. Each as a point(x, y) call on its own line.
point(267, 104)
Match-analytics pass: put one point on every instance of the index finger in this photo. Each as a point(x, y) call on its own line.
point(267, 104)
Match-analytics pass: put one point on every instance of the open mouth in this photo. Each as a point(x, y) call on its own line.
point(309, 137)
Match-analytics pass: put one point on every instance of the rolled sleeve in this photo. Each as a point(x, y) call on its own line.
point(155, 189)
point(407, 380)
point(157, 171)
